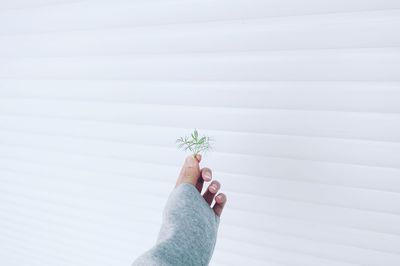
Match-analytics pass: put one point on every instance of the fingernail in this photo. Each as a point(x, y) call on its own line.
point(213, 188)
point(198, 157)
point(207, 176)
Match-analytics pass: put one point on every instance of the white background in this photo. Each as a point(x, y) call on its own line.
point(302, 98)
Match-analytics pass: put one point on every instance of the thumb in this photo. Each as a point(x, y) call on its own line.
point(190, 171)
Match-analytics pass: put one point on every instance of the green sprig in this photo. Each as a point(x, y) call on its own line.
point(195, 143)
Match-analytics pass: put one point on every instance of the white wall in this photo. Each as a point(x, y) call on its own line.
point(302, 97)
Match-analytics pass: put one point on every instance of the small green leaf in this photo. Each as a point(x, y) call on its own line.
point(194, 144)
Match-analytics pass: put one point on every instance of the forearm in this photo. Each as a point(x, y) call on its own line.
point(188, 232)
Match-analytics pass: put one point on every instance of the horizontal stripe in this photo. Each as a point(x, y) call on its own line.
point(381, 97)
point(381, 127)
point(379, 154)
point(339, 65)
point(313, 32)
point(128, 13)
point(376, 179)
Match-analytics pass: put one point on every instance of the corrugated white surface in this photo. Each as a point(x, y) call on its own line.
point(303, 98)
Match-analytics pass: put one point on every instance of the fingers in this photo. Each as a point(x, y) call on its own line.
point(220, 201)
point(206, 174)
point(211, 191)
point(191, 173)
point(199, 185)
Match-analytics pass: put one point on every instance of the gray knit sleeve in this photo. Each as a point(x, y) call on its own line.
point(188, 232)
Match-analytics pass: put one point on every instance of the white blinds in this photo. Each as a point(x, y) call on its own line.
point(302, 97)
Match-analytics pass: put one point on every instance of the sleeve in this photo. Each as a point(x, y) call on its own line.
point(188, 233)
